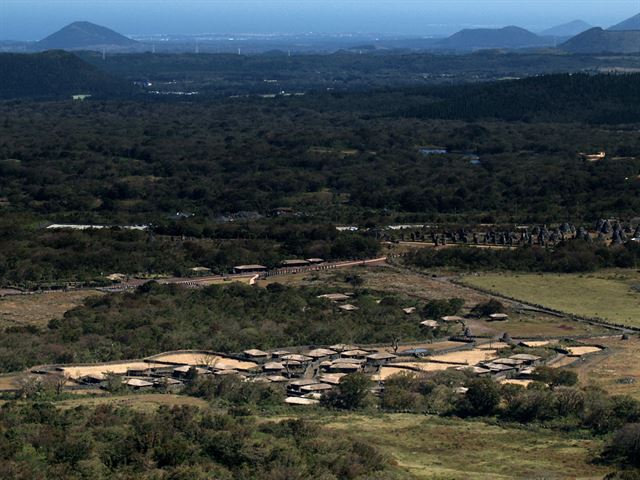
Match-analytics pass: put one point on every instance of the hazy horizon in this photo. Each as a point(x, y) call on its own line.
point(35, 19)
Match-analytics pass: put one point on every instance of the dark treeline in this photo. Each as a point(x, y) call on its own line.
point(38, 257)
point(569, 257)
point(228, 318)
point(600, 99)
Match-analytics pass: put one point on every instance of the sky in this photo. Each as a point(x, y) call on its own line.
point(35, 19)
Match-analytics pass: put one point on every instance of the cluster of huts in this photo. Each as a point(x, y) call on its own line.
point(521, 365)
point(312, 373)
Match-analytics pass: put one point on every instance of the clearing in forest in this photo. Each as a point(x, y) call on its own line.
point(612, 295)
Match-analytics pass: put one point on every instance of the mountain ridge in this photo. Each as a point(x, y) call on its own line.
point(482, 38)
point(598, 40)
point(84, 35)
point(568, 29)
point(632, 23)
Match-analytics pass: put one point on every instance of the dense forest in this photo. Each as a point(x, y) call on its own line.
point(39, 441)
point(258, 180)
point(599, 99)
point(569, 257)
point(343, 158)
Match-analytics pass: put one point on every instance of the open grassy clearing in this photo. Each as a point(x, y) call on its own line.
point(38, 309)
point(534, 325)
point(382, 278)
point(608, 295)
point(431, 447)
point(142, 402)
point(617, 370)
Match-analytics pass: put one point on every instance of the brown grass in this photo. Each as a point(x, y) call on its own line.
point(141, 402)
point(38, 309)
point(430, 447)
point(608, 369)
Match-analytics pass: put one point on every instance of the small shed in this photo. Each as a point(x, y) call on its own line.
point(93, 378)
point(184, 370)
point(345, 367)
point(138, 383)
point(249, 268)
point(527, 359)
point(331, 378)
point(429, 324)
point(273, 367)
point(280, 353)
point(508, 361)
point(256, 354)
point(335, 297)
point(415, 352)
point(347, 307)
point(380, 358)
point(319, 353)
point(315, 261)
point(296, 358)
point(342, 347)
point(357, 353)
point(318, 387)
point(301, 401)
point(294, 263)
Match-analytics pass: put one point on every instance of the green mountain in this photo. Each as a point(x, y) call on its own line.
point(55, 75)
point(84, 35)
point(632, 23)
point(597, 40)
point(507, 37)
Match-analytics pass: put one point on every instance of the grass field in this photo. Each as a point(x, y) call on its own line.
point(617, 370)
point(38, 309)
point(141, 402)
point(609, 295)
point(437, 448)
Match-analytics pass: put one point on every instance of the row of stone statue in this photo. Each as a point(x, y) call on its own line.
point(604, 231)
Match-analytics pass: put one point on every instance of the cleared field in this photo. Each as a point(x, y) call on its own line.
point(430, 447)
point(533, 325)
point(204, 359)
point(580, 351)
point(617, 370)
point(386, 279)
point(117, 368)
point(9, 382)
point(38, 309)
point(608, 295)
point(470, 357)
point(423, 366)
point(142, 402)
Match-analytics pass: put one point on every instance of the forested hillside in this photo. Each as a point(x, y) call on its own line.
point(55, 75)
point(609, 99)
